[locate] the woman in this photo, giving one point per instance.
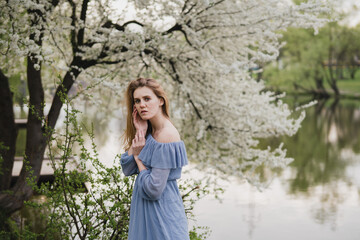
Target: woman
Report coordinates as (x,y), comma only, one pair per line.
(156,153)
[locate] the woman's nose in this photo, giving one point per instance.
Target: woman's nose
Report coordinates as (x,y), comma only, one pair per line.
(142,104)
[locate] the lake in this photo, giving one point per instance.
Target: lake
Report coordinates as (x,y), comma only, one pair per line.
(316,197)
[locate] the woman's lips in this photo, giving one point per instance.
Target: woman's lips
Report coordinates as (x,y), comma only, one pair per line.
(143,112)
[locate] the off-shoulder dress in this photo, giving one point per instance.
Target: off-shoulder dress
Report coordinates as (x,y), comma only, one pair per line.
(157,211)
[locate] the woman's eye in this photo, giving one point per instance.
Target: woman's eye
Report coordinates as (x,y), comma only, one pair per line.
(147,99)
(137,101)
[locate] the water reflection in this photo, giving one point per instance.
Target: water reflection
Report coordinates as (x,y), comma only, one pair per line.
(317,148)
(324,149)
(320,187)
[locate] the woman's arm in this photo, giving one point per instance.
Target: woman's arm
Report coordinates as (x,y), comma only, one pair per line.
(139,163)
(137,145)
(152,183)
(128,164)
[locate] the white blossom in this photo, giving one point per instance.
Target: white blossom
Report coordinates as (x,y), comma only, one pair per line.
(202,50)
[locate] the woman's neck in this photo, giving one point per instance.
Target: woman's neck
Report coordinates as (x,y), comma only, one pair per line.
(158,122)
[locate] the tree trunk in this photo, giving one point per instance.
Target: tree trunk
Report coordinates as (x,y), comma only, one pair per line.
(335,89)
(352,71)
(8,133)
(331,59)
(318,78)
(35,142)
(36,137)
(320,89)
(64,88)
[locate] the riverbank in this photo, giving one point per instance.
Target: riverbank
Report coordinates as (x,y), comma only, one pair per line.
(349,89)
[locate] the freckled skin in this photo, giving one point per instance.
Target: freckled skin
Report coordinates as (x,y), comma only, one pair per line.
(146,100)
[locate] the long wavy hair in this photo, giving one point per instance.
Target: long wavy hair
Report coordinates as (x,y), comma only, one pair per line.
(130,130)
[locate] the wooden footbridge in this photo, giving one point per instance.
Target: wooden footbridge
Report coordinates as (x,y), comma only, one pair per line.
(47,171)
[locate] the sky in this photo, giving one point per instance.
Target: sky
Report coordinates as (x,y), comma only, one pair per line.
(349,7)
(352,8)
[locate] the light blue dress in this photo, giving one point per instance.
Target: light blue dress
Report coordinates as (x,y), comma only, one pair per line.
(157,211)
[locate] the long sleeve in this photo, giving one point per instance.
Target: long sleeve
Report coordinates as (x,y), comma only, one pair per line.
(128,164)
(157,210)
(152,183)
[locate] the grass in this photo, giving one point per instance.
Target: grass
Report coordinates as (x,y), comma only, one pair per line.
(282,82)
(349,86)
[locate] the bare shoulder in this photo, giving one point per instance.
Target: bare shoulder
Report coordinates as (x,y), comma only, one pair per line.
(169,134)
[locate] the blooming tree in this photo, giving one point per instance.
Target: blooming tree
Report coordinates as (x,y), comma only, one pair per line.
(200,49)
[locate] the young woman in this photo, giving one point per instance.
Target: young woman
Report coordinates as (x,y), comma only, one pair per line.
(156,153)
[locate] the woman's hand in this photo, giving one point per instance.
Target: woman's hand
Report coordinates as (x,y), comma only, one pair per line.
(138,143)
(140,125)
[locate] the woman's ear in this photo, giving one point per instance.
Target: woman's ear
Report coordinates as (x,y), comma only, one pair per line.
(161,101)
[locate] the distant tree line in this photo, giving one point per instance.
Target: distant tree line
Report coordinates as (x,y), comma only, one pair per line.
(310,62)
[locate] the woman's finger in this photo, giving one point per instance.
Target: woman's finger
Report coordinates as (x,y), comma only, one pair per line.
(135,120)
(142,138)
(143,134)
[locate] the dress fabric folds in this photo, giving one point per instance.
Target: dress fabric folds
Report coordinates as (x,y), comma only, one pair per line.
(157,211)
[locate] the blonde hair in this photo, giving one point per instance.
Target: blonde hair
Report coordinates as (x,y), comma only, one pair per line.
(130,130)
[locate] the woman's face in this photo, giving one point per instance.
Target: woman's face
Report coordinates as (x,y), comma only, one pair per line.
(147,103)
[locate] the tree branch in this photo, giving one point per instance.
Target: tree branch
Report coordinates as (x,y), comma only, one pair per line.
(73,24)
(81,33)
(190,8)
(178,27)
(110,24)
(210,6)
